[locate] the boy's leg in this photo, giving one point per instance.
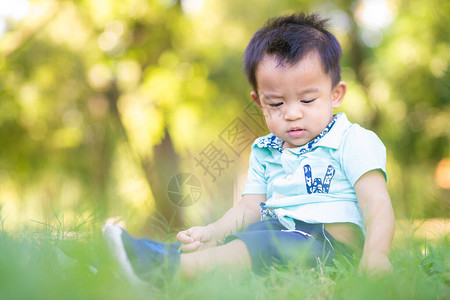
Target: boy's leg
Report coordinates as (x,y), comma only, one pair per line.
(269,243)
(140,259)
(261,245)
(233,255)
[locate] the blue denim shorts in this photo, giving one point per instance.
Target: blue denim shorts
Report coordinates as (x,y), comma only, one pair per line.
(270,243)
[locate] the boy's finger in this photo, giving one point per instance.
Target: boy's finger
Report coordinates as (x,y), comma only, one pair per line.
(198,234)
(191,247)
(184,238)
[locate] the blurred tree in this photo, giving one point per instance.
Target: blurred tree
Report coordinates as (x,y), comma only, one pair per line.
(411,65)
(103,102)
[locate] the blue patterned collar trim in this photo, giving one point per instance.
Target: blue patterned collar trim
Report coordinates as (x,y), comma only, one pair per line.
(271,141)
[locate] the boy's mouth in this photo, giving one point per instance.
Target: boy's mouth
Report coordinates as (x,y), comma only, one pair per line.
(296,132)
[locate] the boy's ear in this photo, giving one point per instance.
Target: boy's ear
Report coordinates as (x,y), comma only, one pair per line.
(255,98)
(338,93)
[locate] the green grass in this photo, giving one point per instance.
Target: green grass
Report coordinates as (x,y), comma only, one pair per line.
(50,264)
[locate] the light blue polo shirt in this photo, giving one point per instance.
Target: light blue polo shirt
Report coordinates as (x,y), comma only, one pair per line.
(315,183)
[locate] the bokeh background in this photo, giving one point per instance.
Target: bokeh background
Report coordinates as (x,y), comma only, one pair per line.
(103,103)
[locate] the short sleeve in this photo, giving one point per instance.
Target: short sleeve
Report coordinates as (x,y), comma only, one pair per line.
(256,180)
(362,151)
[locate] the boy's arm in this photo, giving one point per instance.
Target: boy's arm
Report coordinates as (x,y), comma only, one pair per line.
(238,217)
(376,208)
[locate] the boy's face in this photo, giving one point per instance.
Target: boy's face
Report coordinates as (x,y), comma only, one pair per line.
(298,100)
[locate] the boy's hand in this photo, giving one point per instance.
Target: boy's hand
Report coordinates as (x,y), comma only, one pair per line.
(196,238)
(244,213)
(375,264)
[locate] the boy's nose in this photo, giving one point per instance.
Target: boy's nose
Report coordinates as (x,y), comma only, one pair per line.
(293,112)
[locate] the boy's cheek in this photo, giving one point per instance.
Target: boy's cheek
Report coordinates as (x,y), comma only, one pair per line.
(271,114)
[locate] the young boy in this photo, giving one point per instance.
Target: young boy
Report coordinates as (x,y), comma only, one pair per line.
(316,184)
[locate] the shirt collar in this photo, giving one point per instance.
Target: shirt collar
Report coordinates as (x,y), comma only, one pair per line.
(270,141)
(333,140)
(337,127)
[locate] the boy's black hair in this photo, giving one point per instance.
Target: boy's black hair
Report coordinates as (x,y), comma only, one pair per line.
(290,38)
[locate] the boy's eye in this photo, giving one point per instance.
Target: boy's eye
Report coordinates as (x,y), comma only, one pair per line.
(276,104)
(307,101)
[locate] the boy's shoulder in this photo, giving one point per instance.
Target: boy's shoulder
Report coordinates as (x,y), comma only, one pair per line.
(344,132)
(360,143)
(358,134)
